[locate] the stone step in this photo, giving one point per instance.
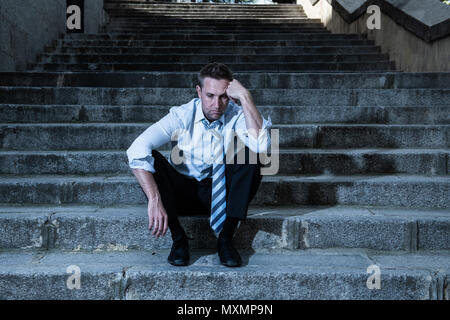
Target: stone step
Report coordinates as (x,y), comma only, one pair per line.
(179,96)
(113,28)
(136,30)
(189,67)
(289,80)
(241,24)
(245,25)
(164,4)
(21,113)
(219,12)
(244,50)
(205,43)
(201,58)
(206,36)
(291,161)
(205,14)
(122,228)
(213,20)
(156,28)
(183,8)
(270,16)
(93,136)
(133,31)
(199,9)
(268,275)
(408,191)
(187,15)
(158,4)
(203,6)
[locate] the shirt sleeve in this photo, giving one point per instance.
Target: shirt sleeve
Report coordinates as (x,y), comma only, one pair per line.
(262,143)
(140,152)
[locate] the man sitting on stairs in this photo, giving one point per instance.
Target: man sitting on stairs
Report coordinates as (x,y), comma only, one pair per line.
(205,181)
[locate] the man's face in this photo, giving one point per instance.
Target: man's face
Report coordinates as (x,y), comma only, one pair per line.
(214,97)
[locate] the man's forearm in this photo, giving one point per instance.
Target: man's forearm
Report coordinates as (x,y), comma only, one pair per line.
(148,183)
(253,118)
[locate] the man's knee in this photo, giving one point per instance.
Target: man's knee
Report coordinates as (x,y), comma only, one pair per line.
(245,163)
(243,182)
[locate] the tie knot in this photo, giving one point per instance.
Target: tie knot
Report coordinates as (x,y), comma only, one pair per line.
(212,125)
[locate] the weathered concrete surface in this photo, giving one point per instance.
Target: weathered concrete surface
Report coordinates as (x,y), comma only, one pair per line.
(264,275)
(427,20)
(411,191)
(124,228)
(326,136)
(251,80)
(403,46)
(27,26)
(179,96)
(291,161)
(26,113)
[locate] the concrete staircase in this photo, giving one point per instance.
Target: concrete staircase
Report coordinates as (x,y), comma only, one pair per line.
(363,178)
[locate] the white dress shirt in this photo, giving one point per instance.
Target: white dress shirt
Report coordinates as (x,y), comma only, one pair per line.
(186,128)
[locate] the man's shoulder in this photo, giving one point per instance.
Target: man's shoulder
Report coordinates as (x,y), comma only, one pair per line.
(184,107)
(184,111)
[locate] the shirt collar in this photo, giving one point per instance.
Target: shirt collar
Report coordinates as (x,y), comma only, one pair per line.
(199,116)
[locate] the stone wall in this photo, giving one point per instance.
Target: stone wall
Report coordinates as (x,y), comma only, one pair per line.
(415,44)
(26,26)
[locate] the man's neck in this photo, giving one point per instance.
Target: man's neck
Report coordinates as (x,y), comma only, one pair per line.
(210,121)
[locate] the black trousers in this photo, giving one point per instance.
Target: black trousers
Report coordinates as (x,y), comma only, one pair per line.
(182,195)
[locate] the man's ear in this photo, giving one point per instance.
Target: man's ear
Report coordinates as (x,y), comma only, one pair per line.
(199,91)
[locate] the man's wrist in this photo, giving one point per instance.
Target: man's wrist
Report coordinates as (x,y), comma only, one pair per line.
(246,98)
(153,197)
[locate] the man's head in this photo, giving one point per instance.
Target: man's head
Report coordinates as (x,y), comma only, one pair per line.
(213,81)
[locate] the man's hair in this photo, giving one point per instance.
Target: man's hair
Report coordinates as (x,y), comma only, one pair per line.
(215,70)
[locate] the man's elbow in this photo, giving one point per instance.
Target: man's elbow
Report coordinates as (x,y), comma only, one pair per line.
(260,145)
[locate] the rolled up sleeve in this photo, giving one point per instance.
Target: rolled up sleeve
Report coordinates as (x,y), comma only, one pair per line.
(140,152)
(260,144)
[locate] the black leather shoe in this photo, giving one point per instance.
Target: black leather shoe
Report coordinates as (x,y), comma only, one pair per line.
(228,255)
(179,255)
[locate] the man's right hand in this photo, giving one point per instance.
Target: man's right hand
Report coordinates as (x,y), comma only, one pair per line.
(157,217)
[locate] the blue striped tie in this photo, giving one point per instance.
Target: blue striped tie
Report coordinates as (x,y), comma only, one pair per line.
(218,186)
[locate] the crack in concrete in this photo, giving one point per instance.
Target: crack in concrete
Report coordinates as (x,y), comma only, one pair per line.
(437,289)
(49,230)
(302,235)
(36,259)
(413,236)
(121,285)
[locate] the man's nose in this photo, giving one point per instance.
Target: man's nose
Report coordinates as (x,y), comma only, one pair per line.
(217,104)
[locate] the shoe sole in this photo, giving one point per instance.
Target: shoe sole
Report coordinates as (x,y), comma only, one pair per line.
(230,265)
(178,264)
